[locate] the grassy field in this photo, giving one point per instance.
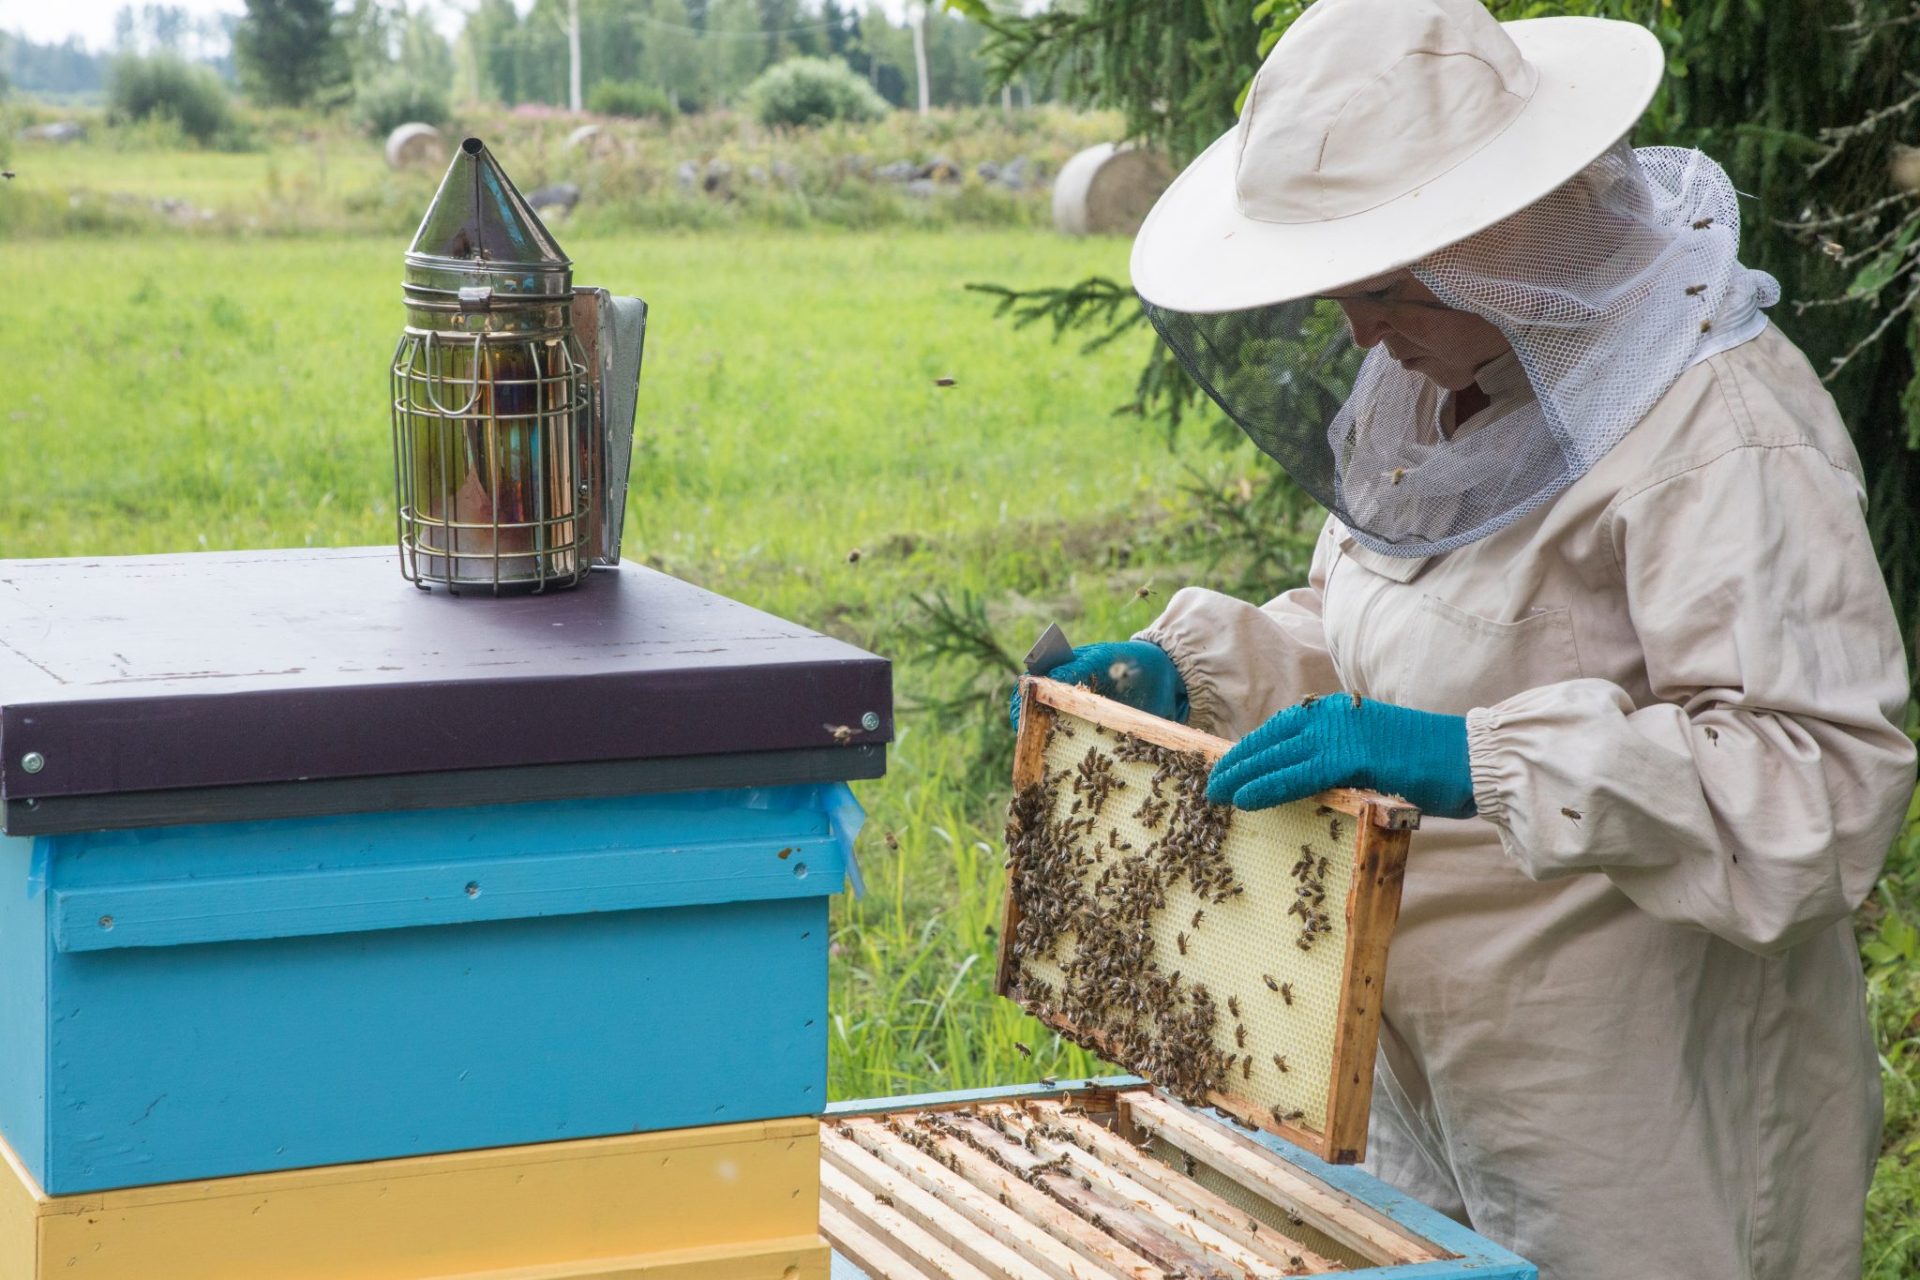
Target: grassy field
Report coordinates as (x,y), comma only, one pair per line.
(180,393)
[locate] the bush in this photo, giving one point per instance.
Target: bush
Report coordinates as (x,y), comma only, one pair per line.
(394,99)
(808,91)
(630,98)
(166,88)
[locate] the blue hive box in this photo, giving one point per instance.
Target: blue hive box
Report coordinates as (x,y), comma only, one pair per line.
(343,967)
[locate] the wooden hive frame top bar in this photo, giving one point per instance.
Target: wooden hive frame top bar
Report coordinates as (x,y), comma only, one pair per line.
(1266,948)
(1100,1184)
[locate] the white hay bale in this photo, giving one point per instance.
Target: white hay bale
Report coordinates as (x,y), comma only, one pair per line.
(1108,189)
(415,146)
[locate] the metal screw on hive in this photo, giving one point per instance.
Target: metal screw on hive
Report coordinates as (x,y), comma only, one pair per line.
(513,397)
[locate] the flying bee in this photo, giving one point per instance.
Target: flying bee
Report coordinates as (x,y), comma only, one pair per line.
(1280,1061)
(943,382)
(1142,591)
(1048,1081)
(842,733)
(1025,1050)
(893,841)
(1574,814)
(853,556)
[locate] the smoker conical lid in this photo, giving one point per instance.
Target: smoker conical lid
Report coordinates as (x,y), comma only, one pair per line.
(480,220)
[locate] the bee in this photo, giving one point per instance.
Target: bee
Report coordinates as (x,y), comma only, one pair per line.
(1048,1081)
(1574,814)
(1233,1005)
(883,1198)
(842,733)
(893,841)
(1295,1114)
(1706,326)
(1397,475)
(1832,248)
(1286,990)
(1239,1037)
(1025,1050)
(1246,1067)
(1188,1165)
(1181,940)
(1278,1115)
(1713,735)
(1203,911)
(1143,591)
(1280,1061)
(943,382)
(1271,984)
(1310,699)
(1356,700)
(853,556)
(1695,290)
(1703,224)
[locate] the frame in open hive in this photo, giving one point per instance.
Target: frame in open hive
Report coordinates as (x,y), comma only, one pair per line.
(1102,1184)
(1234,958)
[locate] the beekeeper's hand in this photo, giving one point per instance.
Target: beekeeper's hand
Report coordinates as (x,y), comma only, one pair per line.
(1130,671)
(1338,741)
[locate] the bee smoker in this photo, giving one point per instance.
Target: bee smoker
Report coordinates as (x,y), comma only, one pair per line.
(513,397)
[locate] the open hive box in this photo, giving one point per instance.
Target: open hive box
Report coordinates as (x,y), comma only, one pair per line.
(1107,1181)
(1234,958)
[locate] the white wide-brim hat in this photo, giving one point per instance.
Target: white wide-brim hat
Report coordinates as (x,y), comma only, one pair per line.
(1378,132)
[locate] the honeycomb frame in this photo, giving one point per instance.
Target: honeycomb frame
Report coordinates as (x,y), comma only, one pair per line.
(1288,998)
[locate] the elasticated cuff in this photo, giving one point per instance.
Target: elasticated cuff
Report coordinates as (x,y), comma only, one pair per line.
(1202,701)
(1483,755)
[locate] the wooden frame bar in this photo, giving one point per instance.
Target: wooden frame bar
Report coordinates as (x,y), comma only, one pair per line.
(1054,1177)
(1383,826)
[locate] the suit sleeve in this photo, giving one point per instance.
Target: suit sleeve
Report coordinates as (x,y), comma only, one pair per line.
(1241,662)
(1756,795)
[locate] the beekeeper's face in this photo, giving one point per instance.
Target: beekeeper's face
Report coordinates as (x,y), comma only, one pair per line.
(1424,334)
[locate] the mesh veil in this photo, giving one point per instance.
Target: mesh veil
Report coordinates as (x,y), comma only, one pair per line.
(1607,289)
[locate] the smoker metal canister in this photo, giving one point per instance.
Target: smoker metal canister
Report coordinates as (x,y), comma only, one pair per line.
(513,396)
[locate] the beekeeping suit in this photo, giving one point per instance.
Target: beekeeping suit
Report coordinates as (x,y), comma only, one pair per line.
(1624,1029)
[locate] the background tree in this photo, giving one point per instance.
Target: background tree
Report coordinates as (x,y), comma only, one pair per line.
(290,53)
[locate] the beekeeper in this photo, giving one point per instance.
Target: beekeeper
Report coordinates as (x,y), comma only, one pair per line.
(1597,564)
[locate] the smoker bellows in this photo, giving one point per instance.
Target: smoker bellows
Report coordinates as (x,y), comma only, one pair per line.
(513,396)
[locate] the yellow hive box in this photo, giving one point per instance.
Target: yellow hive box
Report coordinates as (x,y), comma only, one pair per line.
(725,1202)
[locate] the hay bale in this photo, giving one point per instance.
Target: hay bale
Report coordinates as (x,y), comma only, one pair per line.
(415,146)
(1108,189)
(597,142)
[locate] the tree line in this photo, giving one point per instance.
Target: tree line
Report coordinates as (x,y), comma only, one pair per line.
(695,53)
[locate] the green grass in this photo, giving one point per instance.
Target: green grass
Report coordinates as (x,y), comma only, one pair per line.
(183,393)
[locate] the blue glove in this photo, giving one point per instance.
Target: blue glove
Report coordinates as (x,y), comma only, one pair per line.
(1130,671)
(1337,742)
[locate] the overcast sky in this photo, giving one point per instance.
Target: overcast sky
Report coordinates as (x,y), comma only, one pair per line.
(92,20)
